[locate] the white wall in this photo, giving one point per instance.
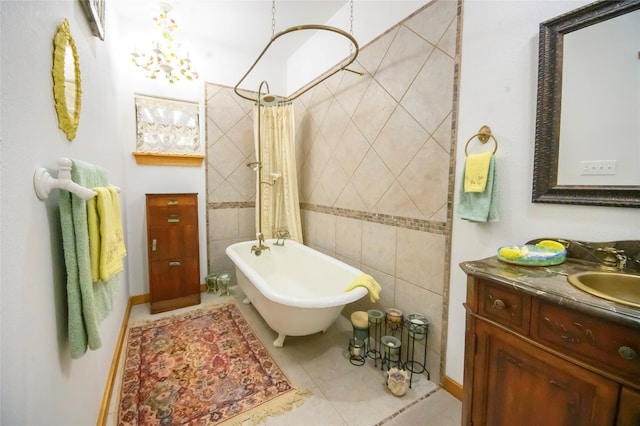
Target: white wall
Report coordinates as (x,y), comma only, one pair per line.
(498,88)
(40,383)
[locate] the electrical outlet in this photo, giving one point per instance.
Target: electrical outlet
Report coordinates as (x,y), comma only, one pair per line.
(600,167)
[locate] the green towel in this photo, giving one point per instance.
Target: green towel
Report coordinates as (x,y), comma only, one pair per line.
(88,303)
(480,206)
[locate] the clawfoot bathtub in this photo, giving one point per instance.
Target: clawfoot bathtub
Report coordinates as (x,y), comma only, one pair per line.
(297,290)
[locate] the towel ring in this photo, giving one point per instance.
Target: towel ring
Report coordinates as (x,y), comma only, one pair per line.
(484,134)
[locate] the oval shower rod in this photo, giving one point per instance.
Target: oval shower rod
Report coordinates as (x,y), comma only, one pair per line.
(336,69)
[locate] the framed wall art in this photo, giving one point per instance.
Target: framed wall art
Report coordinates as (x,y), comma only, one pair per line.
(94,9)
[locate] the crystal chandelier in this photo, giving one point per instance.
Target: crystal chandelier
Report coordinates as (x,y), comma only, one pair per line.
(165,56)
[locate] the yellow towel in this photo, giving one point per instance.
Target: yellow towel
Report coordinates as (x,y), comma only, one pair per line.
(111,247)
(94,238)
(476,172)
(368,282)
(117,220)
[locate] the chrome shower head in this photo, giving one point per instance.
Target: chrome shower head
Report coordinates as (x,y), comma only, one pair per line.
(269,99)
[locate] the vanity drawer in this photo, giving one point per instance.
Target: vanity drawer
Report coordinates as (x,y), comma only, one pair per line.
(606,345)
(171,200)
(504,305)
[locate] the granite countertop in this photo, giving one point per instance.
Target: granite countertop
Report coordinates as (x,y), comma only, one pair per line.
(550,283)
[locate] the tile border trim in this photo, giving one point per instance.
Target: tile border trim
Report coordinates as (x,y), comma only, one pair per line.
(423,225)
(430,226)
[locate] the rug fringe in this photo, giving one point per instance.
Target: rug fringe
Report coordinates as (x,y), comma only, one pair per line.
(275,407)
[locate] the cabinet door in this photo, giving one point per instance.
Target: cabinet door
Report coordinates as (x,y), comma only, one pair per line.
(172,240)
(525,385)
(629,411)
(174,278)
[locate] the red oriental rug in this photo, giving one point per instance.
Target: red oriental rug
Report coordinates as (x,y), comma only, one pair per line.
(205,367)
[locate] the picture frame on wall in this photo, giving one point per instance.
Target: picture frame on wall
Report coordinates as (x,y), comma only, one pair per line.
(94,9)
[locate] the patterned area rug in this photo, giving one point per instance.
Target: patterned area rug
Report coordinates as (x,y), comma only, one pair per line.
(205,367)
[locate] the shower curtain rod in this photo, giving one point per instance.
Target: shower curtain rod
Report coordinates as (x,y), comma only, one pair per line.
(336,69)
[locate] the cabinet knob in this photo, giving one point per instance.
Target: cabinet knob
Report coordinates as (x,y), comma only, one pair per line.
(627,353)
(172,202)
(174,218)
(498,304)
(174,263)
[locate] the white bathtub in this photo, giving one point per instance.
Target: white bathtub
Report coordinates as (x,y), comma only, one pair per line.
(297,290)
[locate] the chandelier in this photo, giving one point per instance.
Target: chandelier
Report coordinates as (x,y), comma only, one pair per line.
(165,57)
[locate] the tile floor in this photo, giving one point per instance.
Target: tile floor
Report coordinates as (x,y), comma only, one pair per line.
(342,394)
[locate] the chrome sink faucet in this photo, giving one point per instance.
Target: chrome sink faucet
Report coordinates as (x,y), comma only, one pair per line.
(258,249)
(614,259)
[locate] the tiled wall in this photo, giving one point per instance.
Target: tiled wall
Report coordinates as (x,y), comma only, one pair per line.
(374,160)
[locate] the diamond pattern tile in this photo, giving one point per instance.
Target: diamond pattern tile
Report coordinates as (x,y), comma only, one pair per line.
(430,97)
(224,110)
(225,157)
(373,111)
(426,178)
(371,55)
(351,150)
(432,23)
(372,179)
(400,140)
(403,61)
(241,134)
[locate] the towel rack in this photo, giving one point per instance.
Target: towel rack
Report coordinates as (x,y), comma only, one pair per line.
(484,134)
(43,182)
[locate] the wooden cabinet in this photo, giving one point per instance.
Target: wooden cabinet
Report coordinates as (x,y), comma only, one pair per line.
(629,411)
(173,251)
(529,361)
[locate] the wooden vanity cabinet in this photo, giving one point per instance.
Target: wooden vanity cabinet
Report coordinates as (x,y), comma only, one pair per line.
(530,362)
(629,409)
(173,251)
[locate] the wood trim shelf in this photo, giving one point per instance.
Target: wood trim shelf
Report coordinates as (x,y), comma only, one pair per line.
(165,159)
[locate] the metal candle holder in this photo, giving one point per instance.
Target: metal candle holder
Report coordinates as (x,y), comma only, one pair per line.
(375,323)
(357,351)
(391,352)
(417,327)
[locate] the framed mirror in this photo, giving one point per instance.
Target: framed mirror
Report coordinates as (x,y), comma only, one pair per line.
(66,81)
(587,142)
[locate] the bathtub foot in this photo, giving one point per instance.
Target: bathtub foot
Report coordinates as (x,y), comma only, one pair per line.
(246,301)
(279,342)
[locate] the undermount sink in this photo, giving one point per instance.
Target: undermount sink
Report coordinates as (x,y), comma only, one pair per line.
(614,286)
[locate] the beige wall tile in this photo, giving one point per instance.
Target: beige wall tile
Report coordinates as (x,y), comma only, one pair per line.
(223,224)
(379,247)
(247,224)
(414,299)
(403,60)
(326,232)
(372,179)
(429,99)
(400,140)
(421,259)
(349,238)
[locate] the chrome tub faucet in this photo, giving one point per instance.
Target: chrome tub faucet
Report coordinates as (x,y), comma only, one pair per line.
(258,249)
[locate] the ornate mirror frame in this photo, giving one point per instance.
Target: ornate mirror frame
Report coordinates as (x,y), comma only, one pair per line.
(547,140)
(68,119)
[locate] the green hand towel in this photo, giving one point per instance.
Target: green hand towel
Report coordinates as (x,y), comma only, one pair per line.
(88,303)
(480,206)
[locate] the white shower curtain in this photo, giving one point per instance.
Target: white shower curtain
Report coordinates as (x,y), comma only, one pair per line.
(280,206)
